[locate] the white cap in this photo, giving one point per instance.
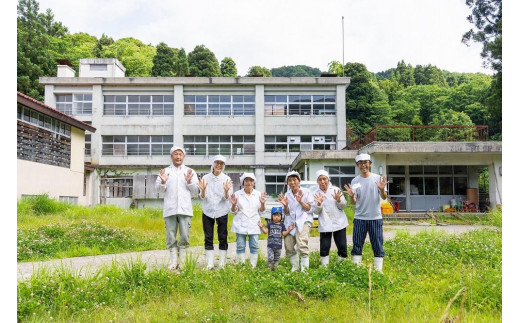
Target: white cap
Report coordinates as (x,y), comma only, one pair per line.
(247,175)
(174,148)
(292,173)
(218,157)
(363,157)
(322,172)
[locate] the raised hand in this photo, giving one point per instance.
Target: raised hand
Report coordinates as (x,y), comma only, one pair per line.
(164,176)
(233,199)
(283,199)
(382,183)
(318,198)
(349,190)
(188,175)
(298,196)
(337,195)
(227,186)
(202,185)
(263,197)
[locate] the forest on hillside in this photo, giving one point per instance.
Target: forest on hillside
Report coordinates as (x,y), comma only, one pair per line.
(404,95)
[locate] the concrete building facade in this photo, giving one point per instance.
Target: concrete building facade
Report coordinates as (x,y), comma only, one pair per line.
(259,124)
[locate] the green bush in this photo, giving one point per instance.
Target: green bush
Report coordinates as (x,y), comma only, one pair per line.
(40,205)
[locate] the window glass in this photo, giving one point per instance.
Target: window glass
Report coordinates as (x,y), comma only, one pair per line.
(416,186)
(396,185)
(397,170)
(415,170)
(430,170)
(431,186)
(446,185)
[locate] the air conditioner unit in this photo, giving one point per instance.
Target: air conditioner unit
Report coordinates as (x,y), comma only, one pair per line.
(318,139)
(293,139)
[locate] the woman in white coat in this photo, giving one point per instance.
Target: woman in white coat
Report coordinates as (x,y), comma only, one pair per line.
(246,205)
(332,221)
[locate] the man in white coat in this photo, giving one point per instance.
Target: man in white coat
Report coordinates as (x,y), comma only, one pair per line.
(179,184)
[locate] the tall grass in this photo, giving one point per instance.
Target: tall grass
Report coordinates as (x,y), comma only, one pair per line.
(423,273)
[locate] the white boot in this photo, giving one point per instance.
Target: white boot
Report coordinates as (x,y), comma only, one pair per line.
(174,263)
(253,259)
(357,260)
(340,259)
(305,263)
(325,261)
(295,262)
(222,258)
(378,264)
(210,254)
(182,257)
(241,258)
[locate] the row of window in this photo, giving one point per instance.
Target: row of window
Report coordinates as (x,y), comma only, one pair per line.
(136,145)
(199,105)
(209,145)
(428,180)
(299,143)
(138,105)
(219,105)
(300,105)
(43,121)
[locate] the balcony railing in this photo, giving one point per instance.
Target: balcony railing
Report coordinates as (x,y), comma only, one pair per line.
(421,134)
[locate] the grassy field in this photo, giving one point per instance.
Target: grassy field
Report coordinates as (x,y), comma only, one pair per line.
(424,274)
(48,229)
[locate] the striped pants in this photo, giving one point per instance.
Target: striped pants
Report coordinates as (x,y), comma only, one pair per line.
(374,228)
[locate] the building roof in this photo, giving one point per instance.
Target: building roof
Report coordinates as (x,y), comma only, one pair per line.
(51,112)
(206,81)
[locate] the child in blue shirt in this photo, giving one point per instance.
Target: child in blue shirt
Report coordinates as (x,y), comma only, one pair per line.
(276,231)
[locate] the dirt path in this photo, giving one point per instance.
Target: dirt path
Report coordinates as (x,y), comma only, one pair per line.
(90,264)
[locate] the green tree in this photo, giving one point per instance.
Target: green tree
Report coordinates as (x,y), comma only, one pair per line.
(33,56)
(391,88)
(164,61)
(103,41)
(135,56)
(429,75)
(366,104)
(404,74)
(296,71)
(486,15)
(335,67)
(431,100)
(228,67)
(259,70)
(203,62)
(73,47)
(181,66)
(53,28)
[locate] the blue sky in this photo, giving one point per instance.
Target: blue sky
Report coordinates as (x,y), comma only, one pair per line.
(273,33)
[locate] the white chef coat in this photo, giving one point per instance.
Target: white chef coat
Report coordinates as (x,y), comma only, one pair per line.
(245,220)
(297,213)
(215,204)
(178,194)
(331,217)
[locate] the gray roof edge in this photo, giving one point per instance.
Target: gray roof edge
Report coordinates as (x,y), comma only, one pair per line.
(433,147)
(320,81)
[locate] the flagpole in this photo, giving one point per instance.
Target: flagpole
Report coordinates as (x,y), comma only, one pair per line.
(343,38)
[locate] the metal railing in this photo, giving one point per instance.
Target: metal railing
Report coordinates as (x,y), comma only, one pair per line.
(432,133)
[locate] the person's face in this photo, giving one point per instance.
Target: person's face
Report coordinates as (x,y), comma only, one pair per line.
(277,217)
(323,183)
(249,184)
(364,166)
(218,166)
(177,158)
(294,183)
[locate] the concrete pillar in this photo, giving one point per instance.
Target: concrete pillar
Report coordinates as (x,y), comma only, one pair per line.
(178,115)
(341,118)
(259,138)
(495,183)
